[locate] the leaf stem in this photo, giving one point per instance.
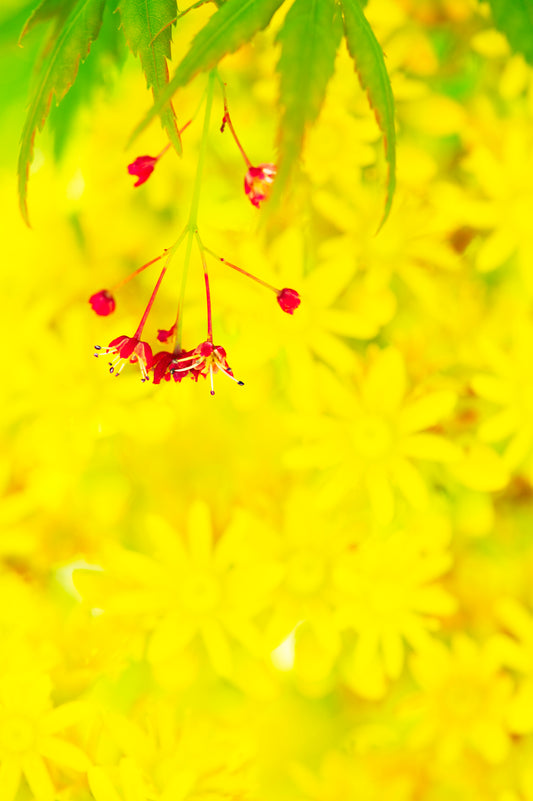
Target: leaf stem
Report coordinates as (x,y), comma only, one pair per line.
(195,203)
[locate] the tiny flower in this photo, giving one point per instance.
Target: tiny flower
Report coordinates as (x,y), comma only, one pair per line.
(257,182)
(143,167)
(102,303)
(288,299)
(129,349)
(164,334)
(169,365)
(209,359)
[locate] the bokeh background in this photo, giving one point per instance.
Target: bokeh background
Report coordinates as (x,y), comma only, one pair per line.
(317,586)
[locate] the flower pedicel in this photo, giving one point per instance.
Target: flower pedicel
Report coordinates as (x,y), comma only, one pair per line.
(258,180)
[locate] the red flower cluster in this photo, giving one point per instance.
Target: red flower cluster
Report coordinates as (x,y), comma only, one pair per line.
(206,359)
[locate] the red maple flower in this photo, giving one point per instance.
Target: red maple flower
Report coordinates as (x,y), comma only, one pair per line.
(102,303)
(169,365)
(288,299)
(128,349)
(208,360)
(142,167)
(258,181)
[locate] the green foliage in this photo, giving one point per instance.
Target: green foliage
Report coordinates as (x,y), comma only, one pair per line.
(370,66)
(515,19)
(231,26)
(148,31)
(108,54)
(309,40)
(77,25)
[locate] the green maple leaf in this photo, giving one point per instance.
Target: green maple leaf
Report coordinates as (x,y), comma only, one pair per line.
(370,66)
(515,19)
(231,26)
(77,24)
(147,25)
(309,39)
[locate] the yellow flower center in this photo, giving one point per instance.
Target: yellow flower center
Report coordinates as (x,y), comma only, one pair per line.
(305,572)
(200,592)
(462,701)
(372,437)
(17,734)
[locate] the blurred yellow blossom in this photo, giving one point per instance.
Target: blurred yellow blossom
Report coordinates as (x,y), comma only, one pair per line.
(376,435)
(318,586)
(463,702)
(29,741)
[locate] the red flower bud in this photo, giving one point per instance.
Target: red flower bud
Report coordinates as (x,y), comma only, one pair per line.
(257,183)
(143,167)
(288,299)
(102,303)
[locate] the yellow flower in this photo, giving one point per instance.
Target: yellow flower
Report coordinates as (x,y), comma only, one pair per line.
(502,167)
(464,701)
(508,384)
(515,650)
(388,595)
(29,741)
(197,587)
(375,437)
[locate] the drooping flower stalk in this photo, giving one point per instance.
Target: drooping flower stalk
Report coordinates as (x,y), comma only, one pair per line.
(226,120)
(258,180)
(288,299)
(207,289)
(195,202)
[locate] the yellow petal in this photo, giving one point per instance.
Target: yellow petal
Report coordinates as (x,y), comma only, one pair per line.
(393,653)
(131,780)
(381,495)
(499,426)
(217,647)
(101,785)
(495,250)
(65,715)
(432,447)
(199,533)
(426,411)
(385,384)
(519,448)
(491,388)
(38,778)
(409,481)
(171,635)
(481,469)
(9,780)
(65,753)
(521,710)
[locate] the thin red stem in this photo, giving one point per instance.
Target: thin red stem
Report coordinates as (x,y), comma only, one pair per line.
(137,334)
(227,120)
(243,272)
(137,271)
(167,146)
(207,290)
